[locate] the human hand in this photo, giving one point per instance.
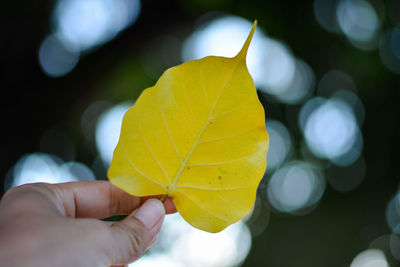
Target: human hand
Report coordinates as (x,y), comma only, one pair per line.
(57,225)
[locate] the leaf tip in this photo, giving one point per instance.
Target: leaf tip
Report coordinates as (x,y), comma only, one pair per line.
(243,52)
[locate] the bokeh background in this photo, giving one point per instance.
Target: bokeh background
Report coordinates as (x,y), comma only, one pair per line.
(326,71)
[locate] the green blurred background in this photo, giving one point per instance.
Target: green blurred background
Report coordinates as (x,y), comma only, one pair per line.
(327,73)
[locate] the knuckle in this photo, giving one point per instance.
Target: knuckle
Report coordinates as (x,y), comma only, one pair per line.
(114,205)
(136,243)
(10,192)
(24,193)
(14,191)
(137,246)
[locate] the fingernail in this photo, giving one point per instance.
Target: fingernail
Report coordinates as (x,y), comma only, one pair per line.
(150,212)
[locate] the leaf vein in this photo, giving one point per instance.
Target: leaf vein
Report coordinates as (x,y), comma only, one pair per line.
(188,99)
(199,135)
(219,163)
(223,89)
(181,113)
(166,127)
(151,152)
(207,211)
(210,189)
(232,109)
(226,202)
(140,172)
(227,137)
(204,91)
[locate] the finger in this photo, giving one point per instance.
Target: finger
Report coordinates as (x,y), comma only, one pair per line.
(101,199)
(169,206)
(90,199)
(133,235)
(95,199)
(168,203)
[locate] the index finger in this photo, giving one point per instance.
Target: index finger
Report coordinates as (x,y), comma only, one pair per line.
(100,199)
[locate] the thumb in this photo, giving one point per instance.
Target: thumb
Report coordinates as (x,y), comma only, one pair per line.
(134,235)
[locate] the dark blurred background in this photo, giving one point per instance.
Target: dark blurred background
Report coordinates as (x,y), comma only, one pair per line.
(327,73)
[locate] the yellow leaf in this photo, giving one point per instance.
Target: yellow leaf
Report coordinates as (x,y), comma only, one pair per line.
(199,137)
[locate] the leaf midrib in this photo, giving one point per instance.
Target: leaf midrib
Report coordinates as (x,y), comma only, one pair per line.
(183,165)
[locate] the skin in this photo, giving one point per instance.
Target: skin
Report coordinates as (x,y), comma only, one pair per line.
(58,224)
